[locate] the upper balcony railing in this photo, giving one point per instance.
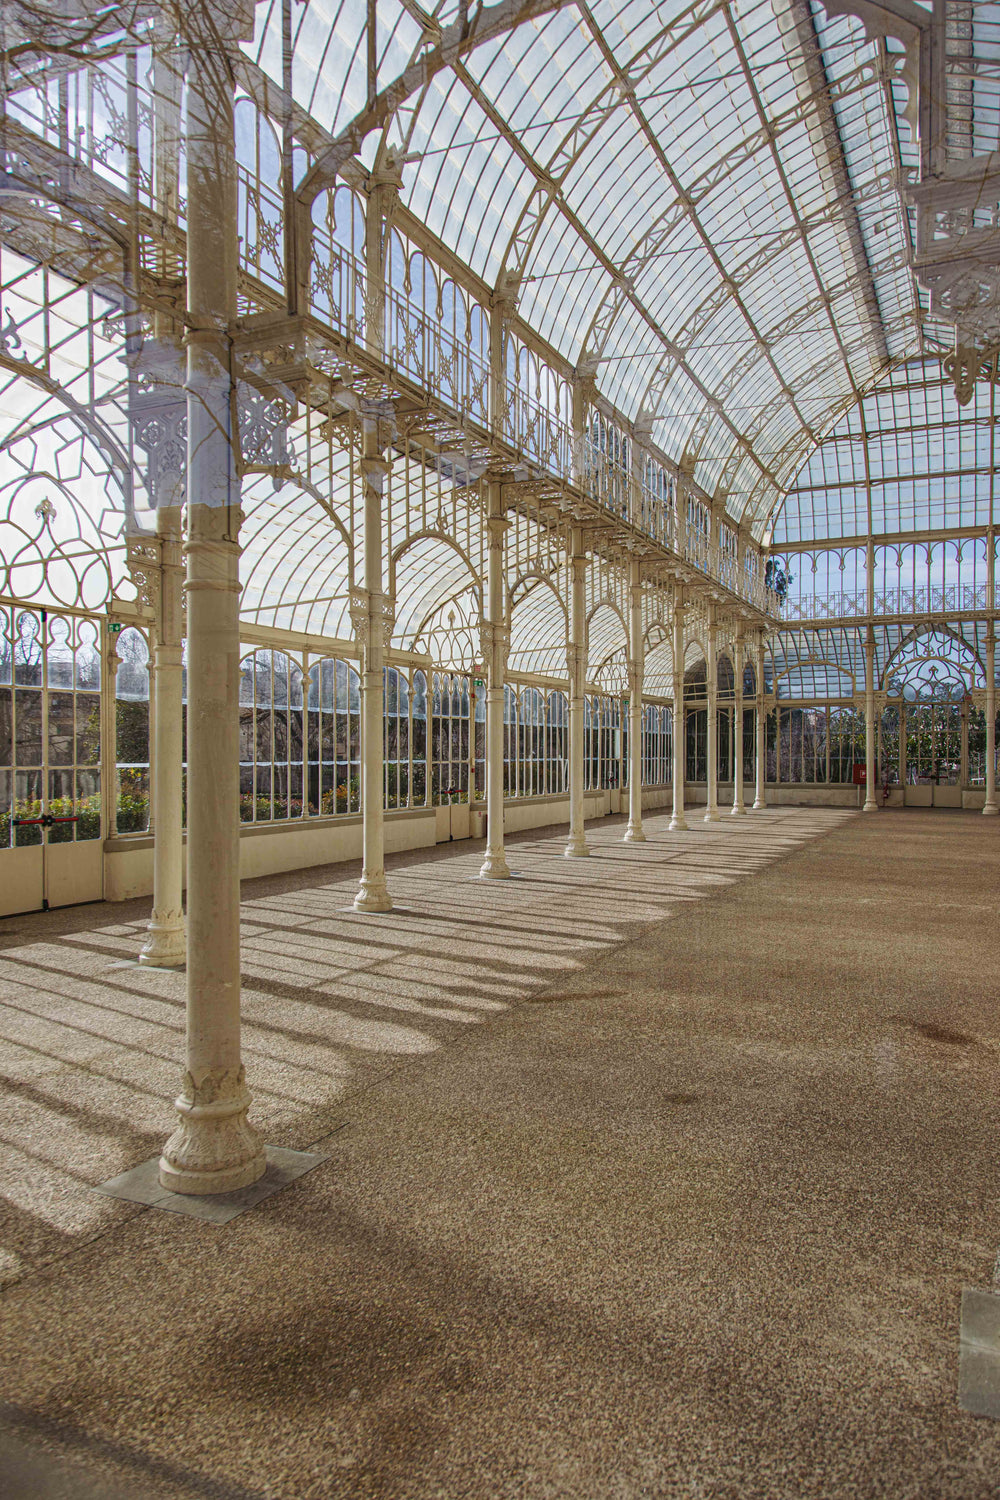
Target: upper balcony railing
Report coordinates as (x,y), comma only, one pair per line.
(953,598)
(413,342)
(449,360)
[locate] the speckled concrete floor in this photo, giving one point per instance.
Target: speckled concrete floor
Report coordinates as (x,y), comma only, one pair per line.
(657,1174)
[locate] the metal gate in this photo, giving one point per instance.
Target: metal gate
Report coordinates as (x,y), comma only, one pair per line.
(51,730)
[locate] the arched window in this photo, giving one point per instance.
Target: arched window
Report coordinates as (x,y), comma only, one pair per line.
(271,743)
(300,738)
(450,724)
(557,746)
(132,730)
(50,726)
(260,222)
(657,745)
(602,738)
(405,739)
(333,738)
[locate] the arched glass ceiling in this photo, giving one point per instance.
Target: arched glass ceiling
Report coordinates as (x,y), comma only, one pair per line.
(907,458)
(701,198)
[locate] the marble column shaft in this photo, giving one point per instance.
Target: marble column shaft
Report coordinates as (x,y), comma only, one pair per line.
(760,736)
(738,806)
(495,644)
(634,833)
(576,659)
(214,1147)
(679,726)
(372,623)
(990,805)
(871,762)
(712,736)
(165,945)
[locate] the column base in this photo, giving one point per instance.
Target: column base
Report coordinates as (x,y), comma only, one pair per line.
(678,824)
(712,816)
(990,810)
(494,866)
(373,894)
(737,810)
(759,806)
(214,1149)
(166,942)
(576,849)
(870,807)
(634,835)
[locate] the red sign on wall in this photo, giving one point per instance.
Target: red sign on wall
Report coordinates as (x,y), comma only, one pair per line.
(860,773)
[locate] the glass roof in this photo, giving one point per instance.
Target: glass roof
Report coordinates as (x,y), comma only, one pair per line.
(702,198)
(926,461)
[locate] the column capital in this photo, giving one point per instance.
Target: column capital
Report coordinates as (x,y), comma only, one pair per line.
(143,558)
(373,616)
(497,527)
(494,647)
(378,419)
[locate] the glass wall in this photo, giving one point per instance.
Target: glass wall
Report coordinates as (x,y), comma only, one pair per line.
(536,742)
(50,727)
(603,747)
(132,681)
(814,745)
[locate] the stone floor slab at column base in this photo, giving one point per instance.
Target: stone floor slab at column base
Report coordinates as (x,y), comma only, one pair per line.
(979,1353)
(142,1185)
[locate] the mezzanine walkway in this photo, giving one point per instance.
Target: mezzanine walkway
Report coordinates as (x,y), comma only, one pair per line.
(657,1173)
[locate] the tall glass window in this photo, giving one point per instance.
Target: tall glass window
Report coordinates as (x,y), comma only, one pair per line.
(132,731)
(450,725)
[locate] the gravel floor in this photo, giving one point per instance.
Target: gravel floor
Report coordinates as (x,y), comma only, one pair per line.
(654,1174)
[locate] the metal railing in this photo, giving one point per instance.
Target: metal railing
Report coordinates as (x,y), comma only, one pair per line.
(955,598)
(414,344)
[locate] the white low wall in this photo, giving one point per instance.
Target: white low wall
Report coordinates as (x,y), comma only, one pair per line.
(792,794)
(270,849)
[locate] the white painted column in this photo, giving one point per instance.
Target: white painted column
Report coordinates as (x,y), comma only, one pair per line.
(165,946)
(871,763)
(214,1147)
(576,659)
(371,613)
(679,727)
(634,833)
(495,643)
(738,806)
(712,736)
(990,805)
(760,799)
